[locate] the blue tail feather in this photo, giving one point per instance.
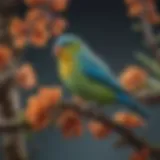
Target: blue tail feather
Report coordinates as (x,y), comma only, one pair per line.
(133,105)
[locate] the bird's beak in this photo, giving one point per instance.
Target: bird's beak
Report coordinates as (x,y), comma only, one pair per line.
(57,51)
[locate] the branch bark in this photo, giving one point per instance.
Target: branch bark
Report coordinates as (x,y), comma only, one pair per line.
(13,142)
(90,113)
(14,146)
(148,31)
(136,142)
(150,100)
(14,127)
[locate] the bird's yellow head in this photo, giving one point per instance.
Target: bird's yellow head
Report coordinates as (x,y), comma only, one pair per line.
(67,48)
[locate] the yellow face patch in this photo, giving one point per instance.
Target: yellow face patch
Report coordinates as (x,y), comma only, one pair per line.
(65,65)
(66,60)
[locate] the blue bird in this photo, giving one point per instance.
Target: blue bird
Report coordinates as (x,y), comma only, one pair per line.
(88,77)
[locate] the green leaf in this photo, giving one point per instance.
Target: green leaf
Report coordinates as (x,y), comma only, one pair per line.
(144,43)
(21,116)
(150,63)
(155,146)
(137,27)
(28,135)
(158,38)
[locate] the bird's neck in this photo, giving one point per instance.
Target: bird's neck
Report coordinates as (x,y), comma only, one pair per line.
(66,69)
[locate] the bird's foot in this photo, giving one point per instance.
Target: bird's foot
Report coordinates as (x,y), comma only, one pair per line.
(93,105)
(78,100)
(84,103)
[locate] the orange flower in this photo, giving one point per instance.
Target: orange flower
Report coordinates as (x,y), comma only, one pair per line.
(69,122)
(129,120)
(59,25)
(42,22)
(59,5)
(33,3)
(5,56)
(153,15)
(133,78)
(39,112)
(50,96)
(34,14)
(39,37)
(26,77)
(136,156)
(20,42)
(153,18)
(36,114)
(135,9)
(99,130)
(17,27)
(38,18)
(143,154)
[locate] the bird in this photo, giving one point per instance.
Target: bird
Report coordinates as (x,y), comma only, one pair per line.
(87,76)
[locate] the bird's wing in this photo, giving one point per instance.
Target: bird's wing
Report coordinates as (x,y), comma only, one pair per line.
(96,70)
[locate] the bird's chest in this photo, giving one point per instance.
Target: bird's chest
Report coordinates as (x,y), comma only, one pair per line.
(76,82)
(65,70)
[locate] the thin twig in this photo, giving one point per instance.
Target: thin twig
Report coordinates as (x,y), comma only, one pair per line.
(136,142)
(150,100)
(148,31)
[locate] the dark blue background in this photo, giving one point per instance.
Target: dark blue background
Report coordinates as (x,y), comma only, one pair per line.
(104,26)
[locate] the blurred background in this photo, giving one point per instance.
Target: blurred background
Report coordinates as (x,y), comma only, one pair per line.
(106,28)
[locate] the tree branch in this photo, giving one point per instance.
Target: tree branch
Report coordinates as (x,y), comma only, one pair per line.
(13,127)
(136,142)
(150,100)
(90,113)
